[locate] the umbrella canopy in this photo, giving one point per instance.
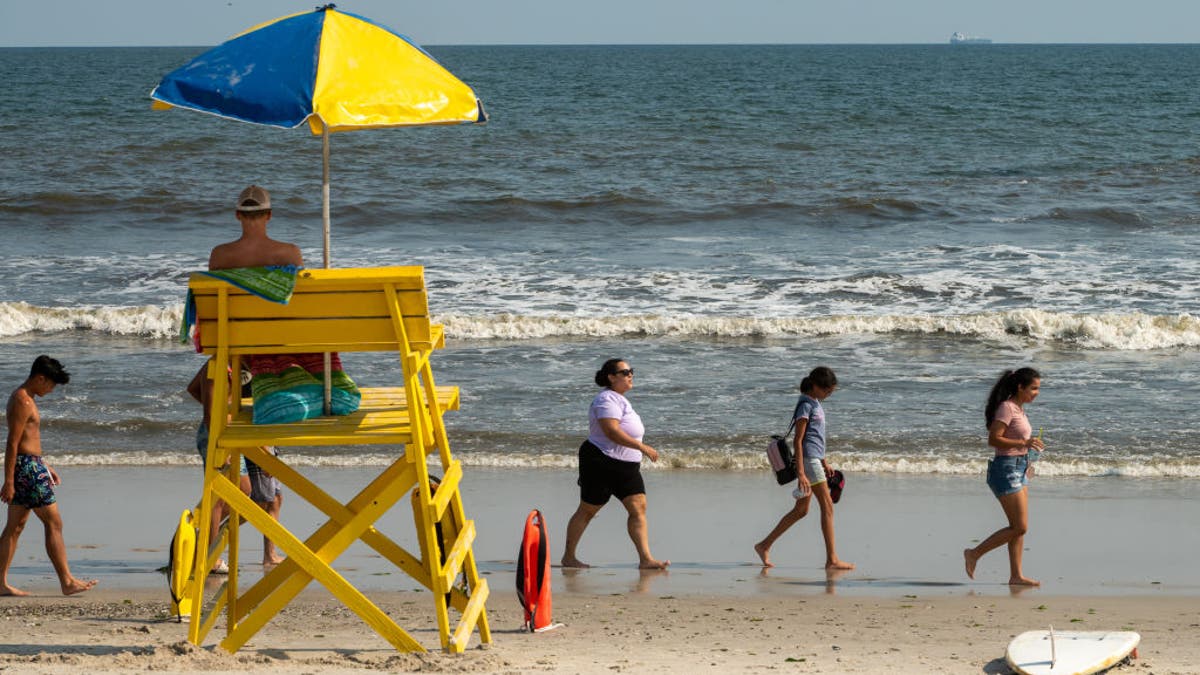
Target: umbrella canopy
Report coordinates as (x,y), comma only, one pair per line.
(334,70)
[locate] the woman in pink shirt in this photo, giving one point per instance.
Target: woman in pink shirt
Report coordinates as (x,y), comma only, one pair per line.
(1011,435)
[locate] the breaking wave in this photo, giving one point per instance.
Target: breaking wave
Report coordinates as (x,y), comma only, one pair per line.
(1119,332)
(956,464)
(1134,331)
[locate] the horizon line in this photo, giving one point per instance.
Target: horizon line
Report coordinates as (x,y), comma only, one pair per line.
(946,43)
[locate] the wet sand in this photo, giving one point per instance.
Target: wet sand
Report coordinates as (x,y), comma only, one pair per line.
(1113,554)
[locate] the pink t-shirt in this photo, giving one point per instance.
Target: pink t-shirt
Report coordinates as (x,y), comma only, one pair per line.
(1017,429)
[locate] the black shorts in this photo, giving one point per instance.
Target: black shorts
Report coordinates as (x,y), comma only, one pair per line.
(601,476)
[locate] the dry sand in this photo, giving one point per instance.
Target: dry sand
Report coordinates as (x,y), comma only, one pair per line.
(126,631)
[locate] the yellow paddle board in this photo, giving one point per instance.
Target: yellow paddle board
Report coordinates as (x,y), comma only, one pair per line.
(179,570)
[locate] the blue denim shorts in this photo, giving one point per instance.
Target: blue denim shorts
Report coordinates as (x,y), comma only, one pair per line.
(1006,475)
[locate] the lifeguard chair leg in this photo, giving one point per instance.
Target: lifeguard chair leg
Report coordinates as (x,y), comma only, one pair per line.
(339,515)
(315,565)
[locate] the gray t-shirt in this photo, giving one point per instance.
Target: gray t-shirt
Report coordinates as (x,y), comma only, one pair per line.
(813,442)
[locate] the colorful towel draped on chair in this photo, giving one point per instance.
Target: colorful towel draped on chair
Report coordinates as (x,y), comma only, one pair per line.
(290,387)
(286,387)
(272,282)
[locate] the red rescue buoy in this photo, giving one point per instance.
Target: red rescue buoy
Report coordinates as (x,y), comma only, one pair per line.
(533,573)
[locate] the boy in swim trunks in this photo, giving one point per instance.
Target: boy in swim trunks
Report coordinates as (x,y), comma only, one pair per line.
(29,482)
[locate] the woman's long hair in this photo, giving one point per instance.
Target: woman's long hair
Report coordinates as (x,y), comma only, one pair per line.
(1006,387)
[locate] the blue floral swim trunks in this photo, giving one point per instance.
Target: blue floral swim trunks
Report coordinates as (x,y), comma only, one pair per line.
(33,487)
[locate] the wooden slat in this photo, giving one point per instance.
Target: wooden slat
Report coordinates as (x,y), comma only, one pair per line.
(457,554)
(470,617)
(445,491)
(316,304)
(346,278)
(382,418)
(300,335)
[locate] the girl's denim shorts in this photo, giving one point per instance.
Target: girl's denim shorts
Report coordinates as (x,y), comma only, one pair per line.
(1007,474)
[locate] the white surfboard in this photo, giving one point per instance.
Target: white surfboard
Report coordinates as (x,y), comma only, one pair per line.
(1070,652)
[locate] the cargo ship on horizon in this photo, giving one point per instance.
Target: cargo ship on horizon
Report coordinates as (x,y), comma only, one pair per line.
(961,39)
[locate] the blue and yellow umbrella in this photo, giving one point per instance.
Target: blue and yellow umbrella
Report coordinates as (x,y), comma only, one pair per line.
(334,70)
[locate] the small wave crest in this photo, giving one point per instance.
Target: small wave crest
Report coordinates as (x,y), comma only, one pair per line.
(18,318)
(1134,331)
(1122,332)
(953,464)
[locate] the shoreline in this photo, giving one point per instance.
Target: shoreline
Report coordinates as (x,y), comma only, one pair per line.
(124,631)
(1087,537)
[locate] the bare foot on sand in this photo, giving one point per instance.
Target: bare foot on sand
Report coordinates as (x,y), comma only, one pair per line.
(9,590)
(1023,581)
(839,565)
(764,554)
(575,562)
(271,562)
(970,559)
(76,586)
(652,564)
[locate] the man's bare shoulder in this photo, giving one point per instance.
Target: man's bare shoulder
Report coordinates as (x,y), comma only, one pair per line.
(251,254)
(20,401)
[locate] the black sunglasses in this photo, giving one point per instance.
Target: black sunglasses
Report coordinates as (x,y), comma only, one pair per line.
(623,372)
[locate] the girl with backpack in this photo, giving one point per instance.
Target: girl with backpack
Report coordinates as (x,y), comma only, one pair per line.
(812,469)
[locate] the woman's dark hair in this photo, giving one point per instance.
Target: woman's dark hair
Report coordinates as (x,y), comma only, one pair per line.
(1006,387)
(820,376)
(51,369)
(609,368)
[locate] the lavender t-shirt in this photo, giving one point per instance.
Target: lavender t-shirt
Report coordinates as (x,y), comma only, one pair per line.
(608,404)
(1017,429)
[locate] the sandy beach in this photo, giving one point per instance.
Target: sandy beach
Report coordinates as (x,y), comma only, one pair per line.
(907,608)
(127,631)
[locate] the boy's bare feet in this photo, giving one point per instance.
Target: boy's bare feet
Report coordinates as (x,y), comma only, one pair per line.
(575,562)
(839,565)
(764,554)
(76,586)
(272,561)
(652,564)
(969,558)
(1023,581)
(9,590)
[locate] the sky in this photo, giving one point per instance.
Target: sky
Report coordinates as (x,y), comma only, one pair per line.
(33,23)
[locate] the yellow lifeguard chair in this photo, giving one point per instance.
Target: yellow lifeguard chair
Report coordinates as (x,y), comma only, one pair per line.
(335,310)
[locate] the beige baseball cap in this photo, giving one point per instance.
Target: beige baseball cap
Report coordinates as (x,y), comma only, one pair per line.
(254,198)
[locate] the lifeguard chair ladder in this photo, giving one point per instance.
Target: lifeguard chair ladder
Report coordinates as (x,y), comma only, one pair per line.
(335,310)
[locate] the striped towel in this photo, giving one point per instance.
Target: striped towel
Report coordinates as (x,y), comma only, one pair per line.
(272,282)
(291,387)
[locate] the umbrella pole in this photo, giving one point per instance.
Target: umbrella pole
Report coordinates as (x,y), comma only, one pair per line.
(325,220)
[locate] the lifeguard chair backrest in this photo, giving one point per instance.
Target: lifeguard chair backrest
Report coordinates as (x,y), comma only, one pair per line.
(342,310)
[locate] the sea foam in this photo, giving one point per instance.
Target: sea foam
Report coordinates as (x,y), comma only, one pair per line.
(956,464)
(1110,331)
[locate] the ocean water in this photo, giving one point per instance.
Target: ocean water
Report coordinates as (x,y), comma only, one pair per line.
(723,217)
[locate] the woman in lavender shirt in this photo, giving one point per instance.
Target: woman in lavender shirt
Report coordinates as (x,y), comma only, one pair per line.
(610,464)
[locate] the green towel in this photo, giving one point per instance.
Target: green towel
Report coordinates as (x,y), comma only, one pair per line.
(274,283)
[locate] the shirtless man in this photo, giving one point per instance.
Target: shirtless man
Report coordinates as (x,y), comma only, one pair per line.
(28,482)
(254,248)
